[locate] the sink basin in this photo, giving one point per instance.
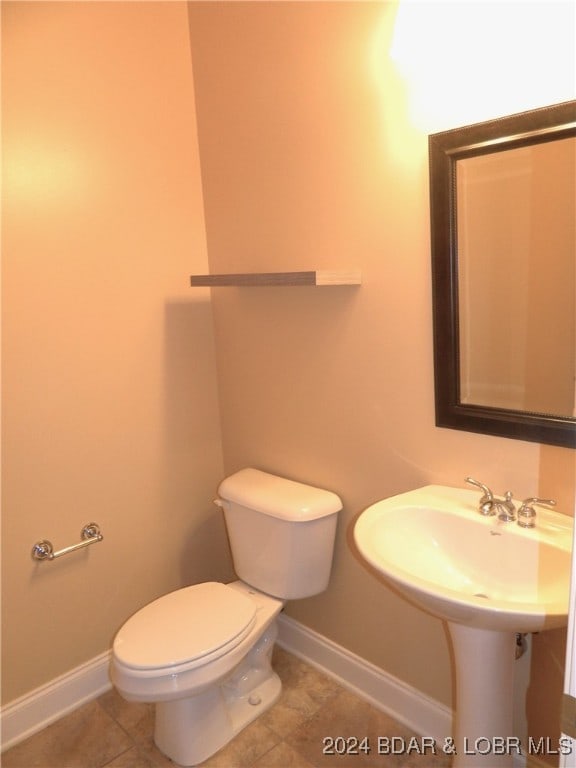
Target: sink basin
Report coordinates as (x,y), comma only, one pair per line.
(488,579)
(434,546)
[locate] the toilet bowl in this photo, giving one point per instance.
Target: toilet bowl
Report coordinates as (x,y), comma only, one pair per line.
(216,683)
(202,654)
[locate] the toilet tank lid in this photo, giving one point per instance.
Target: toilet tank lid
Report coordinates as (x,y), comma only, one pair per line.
(278,497)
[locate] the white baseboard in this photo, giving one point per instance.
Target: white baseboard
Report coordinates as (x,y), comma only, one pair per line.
(41,707)
(29,714)
(409,706)
(402,702)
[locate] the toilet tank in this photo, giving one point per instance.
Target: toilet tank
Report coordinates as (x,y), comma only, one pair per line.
(281,532)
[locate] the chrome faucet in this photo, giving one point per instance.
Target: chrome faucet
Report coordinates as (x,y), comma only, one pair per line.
(489,505)
(505,508)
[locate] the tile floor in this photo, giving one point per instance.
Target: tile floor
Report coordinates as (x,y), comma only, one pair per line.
(113,733)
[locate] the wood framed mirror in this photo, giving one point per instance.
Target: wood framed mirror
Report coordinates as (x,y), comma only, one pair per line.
(503,225)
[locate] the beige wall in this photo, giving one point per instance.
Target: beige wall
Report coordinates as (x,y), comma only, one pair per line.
(110,408)
(308,160)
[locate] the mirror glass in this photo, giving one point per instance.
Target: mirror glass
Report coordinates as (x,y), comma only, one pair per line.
(503,205)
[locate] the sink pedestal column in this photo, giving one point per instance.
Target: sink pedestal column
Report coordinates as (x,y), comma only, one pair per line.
(484,661)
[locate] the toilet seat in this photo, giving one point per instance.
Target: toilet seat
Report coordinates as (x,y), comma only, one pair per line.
(185,628)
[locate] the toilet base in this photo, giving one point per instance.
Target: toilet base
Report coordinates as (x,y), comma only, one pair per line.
(190,730)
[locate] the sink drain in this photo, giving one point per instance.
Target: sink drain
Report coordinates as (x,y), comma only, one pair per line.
(481,594)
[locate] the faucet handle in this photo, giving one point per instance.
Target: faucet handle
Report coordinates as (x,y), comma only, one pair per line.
(527,513)
(486,503)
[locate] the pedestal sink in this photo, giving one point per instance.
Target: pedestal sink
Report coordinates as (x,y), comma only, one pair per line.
(489,580)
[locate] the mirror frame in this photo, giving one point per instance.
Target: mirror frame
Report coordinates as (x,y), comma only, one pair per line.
(445,149)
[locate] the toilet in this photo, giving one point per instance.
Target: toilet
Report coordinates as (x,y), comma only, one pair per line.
(202,654)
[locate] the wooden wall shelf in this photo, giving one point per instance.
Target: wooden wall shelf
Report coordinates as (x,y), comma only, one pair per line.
(315,277)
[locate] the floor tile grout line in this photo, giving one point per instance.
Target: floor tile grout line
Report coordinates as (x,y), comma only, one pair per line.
(141,749)
(112,759)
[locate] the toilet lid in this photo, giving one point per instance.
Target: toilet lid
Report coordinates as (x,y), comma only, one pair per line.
(185,625)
